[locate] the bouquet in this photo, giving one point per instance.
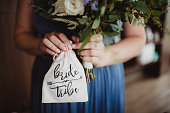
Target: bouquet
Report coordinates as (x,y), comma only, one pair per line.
(93,17)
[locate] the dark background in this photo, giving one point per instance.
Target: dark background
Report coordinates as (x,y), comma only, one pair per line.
(15,66)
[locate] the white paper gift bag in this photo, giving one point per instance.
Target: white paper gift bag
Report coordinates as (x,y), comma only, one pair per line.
(65,80)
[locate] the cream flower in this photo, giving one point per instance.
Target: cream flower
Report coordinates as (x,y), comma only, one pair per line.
(59,7)
(71,7)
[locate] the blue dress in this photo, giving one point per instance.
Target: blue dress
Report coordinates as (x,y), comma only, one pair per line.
(106,92)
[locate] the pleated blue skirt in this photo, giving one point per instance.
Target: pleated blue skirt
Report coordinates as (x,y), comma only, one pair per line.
(106,92)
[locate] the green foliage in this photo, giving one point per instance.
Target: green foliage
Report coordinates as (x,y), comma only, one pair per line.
(85,37)
(111,7)
(113,17)
(116,27)
(96,23)
(130,18)
(124,17)
(108,14)
(156,12)
(135,21)
(103,8)
(85,33)
(141,6)
(110,34)
(82,21)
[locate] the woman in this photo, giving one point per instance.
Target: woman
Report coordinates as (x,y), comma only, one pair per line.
(38,36)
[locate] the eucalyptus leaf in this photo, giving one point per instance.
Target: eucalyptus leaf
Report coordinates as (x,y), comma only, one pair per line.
(96,23)
(110,34)
(135,20)
(141,6)
(85,34)
(103,8)
(82,21)
(85,41)
(113,17)
(143,24)
(112,5)
(116,27)
(130,17)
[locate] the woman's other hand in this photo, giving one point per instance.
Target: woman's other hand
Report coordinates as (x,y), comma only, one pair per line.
(94,51)
(53,43)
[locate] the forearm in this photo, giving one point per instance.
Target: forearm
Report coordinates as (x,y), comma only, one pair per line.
(28,43)
(125,50)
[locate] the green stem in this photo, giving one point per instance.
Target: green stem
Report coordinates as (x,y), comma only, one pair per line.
(38,7)
(89,75)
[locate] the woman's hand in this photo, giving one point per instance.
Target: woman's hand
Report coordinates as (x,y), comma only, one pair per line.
(53,43)
(94,51)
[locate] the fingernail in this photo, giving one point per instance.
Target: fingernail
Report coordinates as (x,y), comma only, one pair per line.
(60,35)
(73,46)
(69,46)
(64,48)
(57,50)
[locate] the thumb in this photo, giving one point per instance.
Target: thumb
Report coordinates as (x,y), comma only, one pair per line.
(75,39)
(96,38)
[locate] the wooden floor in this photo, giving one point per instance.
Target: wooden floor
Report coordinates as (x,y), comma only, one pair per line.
(147,95)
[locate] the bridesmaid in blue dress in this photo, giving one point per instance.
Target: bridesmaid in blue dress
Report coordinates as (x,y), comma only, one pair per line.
(106,92)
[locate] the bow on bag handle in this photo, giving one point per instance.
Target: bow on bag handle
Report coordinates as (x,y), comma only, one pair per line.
(56,55)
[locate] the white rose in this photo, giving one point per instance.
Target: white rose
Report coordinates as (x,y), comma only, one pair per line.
(71,7)
(74,7)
